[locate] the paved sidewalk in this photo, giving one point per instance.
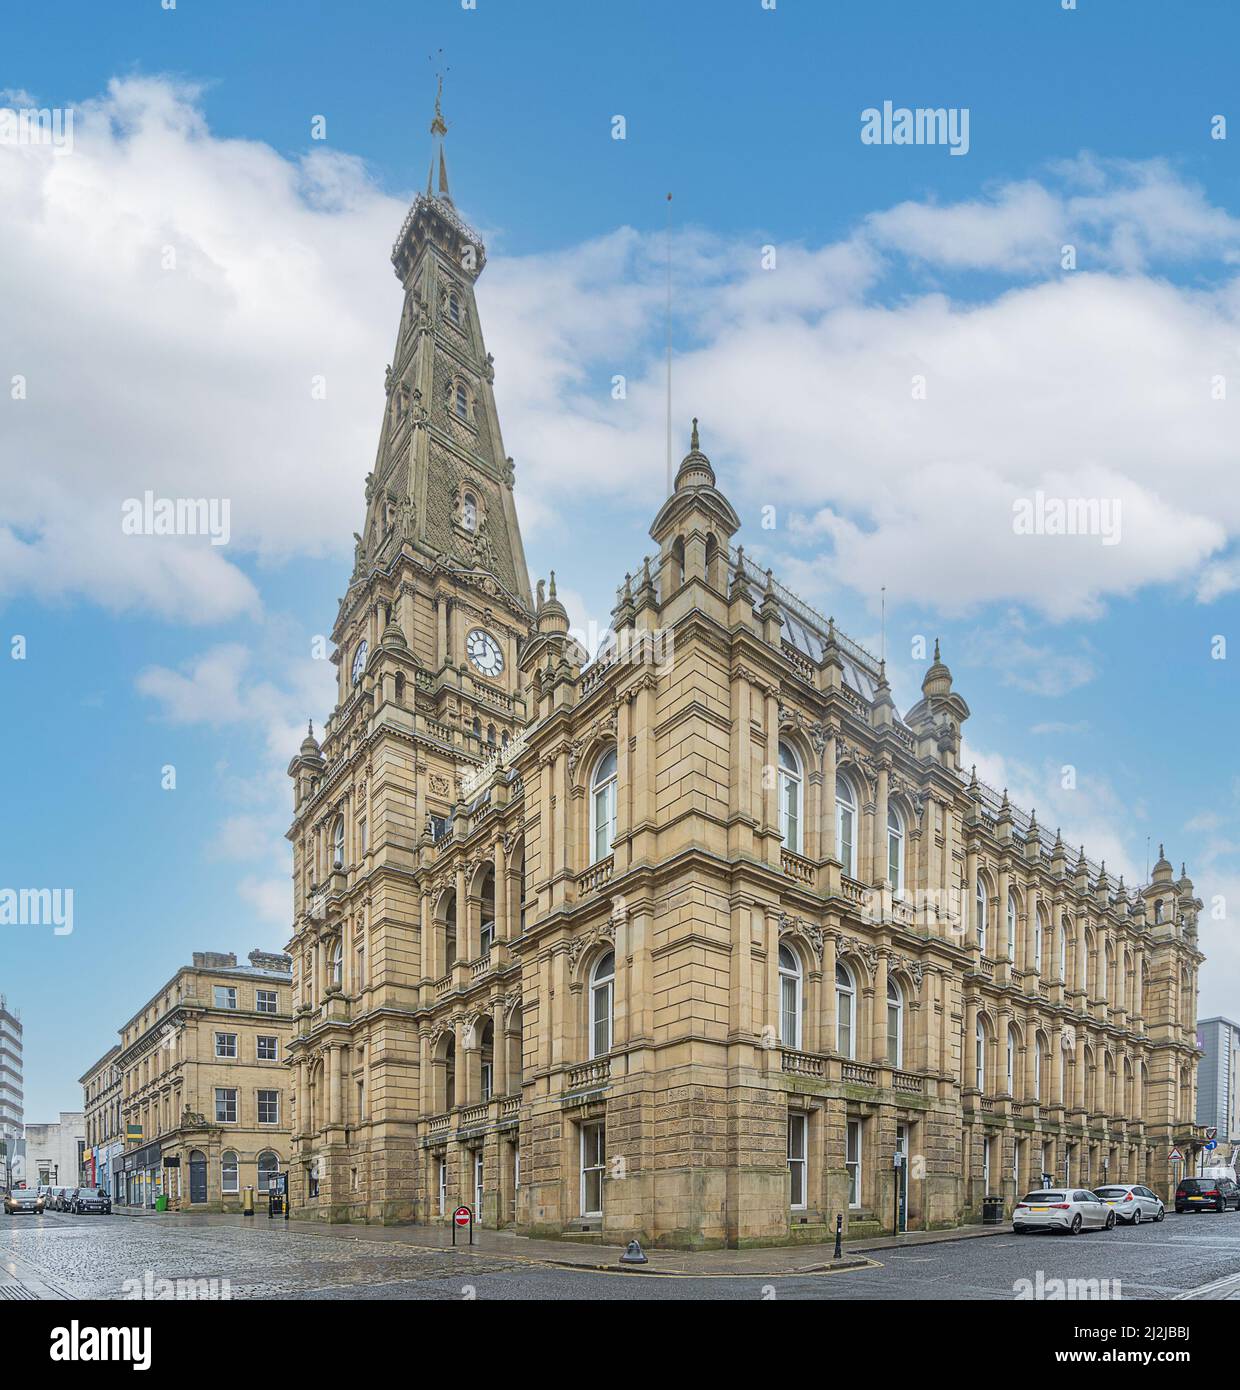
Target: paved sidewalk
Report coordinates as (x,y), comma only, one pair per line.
(773,1260)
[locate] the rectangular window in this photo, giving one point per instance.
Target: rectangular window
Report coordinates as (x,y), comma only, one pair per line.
(797,1149)
(487,1077)
(843,1024)
(441,1183)
(852,1161)
(268,1048)
(790,1021)
(893,1035)
(225,997)
(360,981)
(363,836)
(265,1001)
(478,1170)
(361,1101)
(485,938)
(226,1044)
(846,838)
(893,862)
(269,1107)
(229,1174)
(593,1148)
(225,1105)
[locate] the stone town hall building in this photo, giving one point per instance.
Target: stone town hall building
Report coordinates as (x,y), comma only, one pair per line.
(686,941)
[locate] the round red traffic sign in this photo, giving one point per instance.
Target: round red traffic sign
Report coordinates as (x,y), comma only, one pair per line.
(462,1216)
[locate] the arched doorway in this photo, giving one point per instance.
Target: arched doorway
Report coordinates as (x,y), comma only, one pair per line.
(197,1176)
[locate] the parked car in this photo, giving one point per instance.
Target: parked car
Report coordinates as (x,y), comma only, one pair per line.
(67,1194)
(1133,1203)
(23,1199)
(1207,1194)
(1054,1209)
(55,1199)
(92,1199)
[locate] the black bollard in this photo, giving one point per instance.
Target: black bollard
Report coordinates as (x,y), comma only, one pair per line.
(839,1235)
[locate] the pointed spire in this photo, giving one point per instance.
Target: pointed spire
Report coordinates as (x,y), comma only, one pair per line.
(936,649)
(694,443)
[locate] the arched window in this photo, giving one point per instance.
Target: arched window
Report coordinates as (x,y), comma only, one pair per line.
(846,826)
(981,909)
(1063,950)
(895,1025)
(1010,1073)
(1039,931)
(603,806)
(229,1172)
(268,1167)
(454,308)
(400,688)
(1011,926)
(338,842)
(460,404)
(1037,1067)
(790,1007)
(602,984)
(469,503)
(789,798)
(979,1078)
(336,965)
(845,1000)
(1158,910)
(895,852)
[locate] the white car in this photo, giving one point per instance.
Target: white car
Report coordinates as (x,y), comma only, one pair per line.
(1057,1209)
(1133,1203)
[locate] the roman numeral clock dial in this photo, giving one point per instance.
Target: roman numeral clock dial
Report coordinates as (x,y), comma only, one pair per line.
(484,653)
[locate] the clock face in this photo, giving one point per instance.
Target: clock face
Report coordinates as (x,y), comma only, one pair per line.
(483,650)
(359,661)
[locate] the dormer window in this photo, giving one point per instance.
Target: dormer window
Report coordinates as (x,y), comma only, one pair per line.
(469,512)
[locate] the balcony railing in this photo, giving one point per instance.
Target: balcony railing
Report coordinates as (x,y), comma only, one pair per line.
(593,1073)
(907,1083)
(595,876)
(474,1115)
(439,1124)
(795,866)
(480,967)
(860,1075)
(442,986)
(801,1063)
(509,1106)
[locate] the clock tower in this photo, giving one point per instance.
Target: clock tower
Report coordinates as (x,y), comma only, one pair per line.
(428,642)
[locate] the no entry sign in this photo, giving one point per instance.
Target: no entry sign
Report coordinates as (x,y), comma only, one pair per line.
(462,1216)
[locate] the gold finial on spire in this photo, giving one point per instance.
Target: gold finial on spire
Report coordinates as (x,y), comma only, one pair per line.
(439,126)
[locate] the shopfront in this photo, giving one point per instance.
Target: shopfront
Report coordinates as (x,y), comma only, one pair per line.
(142,1170)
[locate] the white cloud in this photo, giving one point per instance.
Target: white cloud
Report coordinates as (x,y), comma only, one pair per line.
(196,381)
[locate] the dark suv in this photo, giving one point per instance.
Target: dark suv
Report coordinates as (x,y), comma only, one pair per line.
(91,1199)
(1207,1194)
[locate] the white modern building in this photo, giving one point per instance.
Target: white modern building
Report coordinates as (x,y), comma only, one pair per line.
(54,1152)
(10,1093)
(1218,1080)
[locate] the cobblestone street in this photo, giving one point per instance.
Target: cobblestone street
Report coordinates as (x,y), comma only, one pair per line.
(77,1257)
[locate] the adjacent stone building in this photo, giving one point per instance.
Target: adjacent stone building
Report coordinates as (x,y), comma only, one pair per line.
(696,939)
(105,1133)
(204,1089)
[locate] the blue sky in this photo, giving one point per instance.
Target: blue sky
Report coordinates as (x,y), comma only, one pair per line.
(1089,127)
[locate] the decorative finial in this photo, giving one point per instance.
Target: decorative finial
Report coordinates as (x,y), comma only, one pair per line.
(936,649)
(693,438)
(310,728)
(439,126)
(1161,855)
(551,590)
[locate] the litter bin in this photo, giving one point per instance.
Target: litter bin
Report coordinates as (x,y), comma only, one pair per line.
(161,1202)
(992,1211)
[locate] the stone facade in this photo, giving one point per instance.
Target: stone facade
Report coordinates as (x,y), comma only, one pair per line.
(204,1083)
(105,1131)
(685,941)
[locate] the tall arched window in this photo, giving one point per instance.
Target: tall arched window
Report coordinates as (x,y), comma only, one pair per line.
(229,1172)
(789,798)
(454,307)
(336,964)
(1011,927)
(1010,1073)
(979,1071)
(602,985)
(1158,910)
(846,826)
(1063,950)
(460,404)
(895,852)
(268,1167)
(790,998)
(845,1000)
(980,913)
(1037,1067)
(338,842)
(1039,932)
(603,806)
(895,1025)
(469,503)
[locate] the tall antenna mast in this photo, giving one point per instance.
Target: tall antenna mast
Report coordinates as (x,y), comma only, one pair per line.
(669,344)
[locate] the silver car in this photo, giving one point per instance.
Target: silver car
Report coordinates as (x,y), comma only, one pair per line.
(1133,1203)
(1056,1209)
